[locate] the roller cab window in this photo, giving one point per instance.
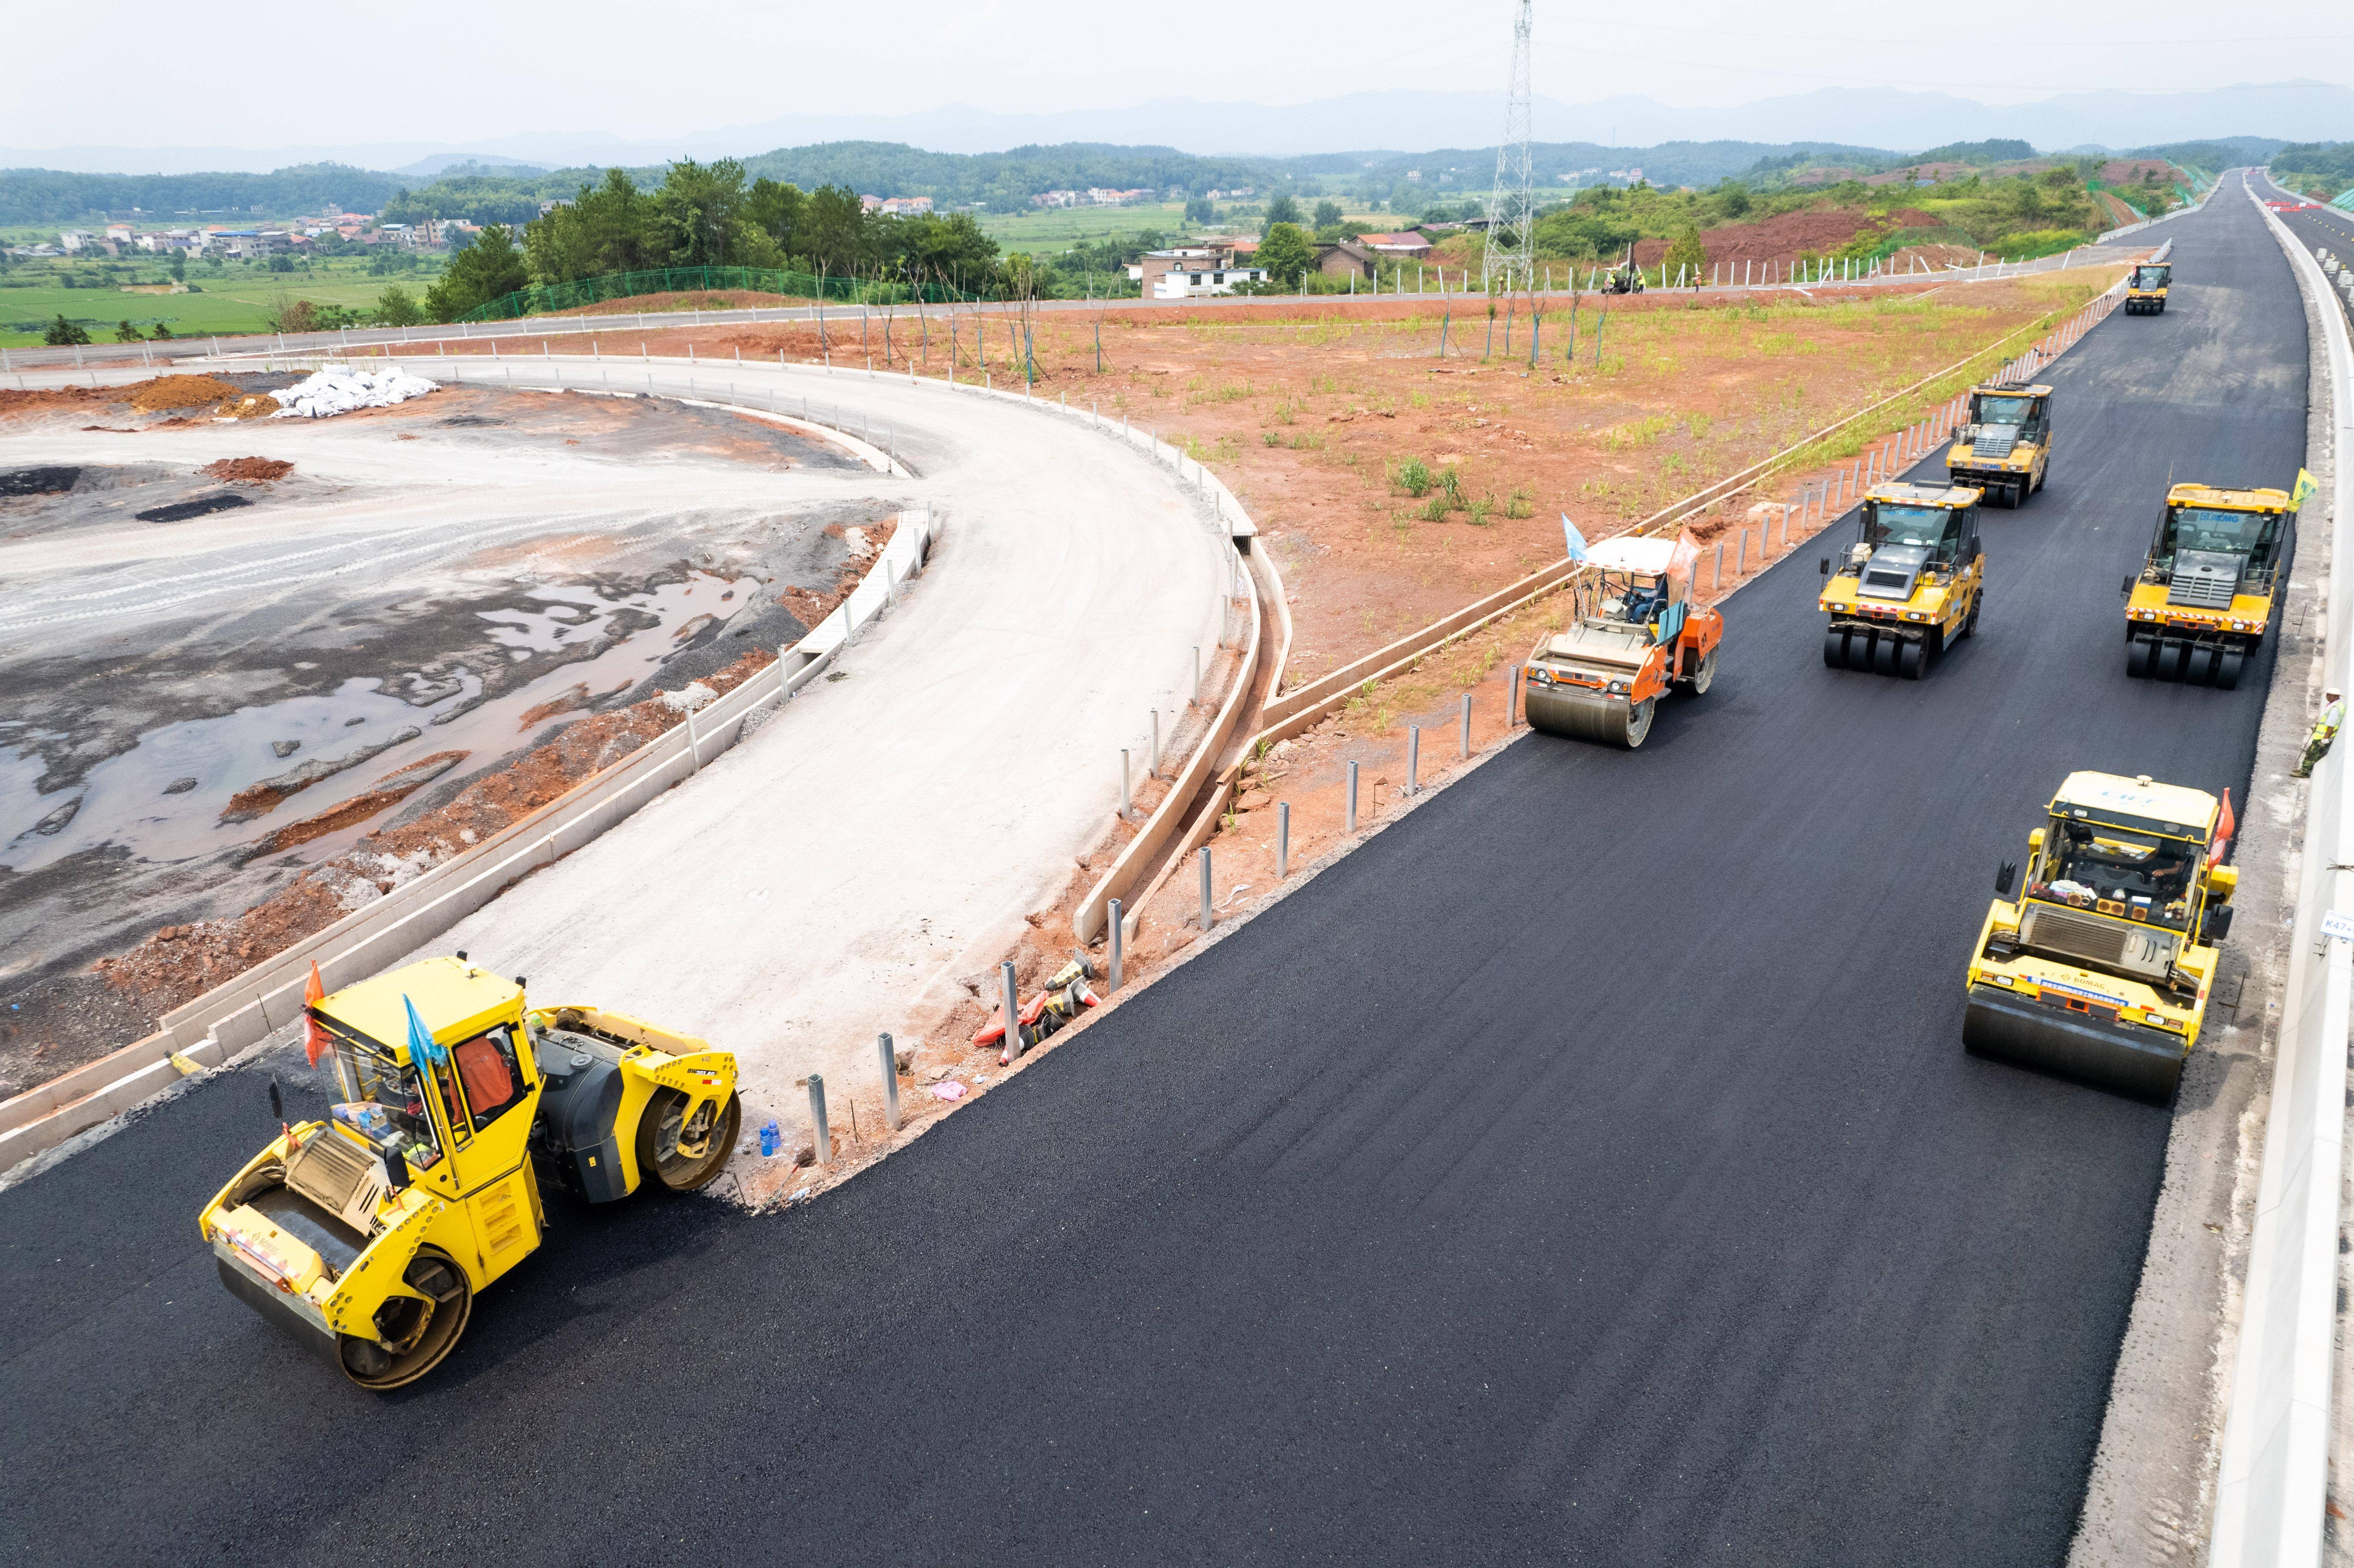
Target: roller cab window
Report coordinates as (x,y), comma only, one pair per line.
(2149,277)
(372,1077)
(485,1072)
(1944,531)
(2120,871)
(1993,409)
(2252,535)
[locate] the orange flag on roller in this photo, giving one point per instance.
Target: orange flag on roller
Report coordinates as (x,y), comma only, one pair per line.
(314,1033)
(2226,824)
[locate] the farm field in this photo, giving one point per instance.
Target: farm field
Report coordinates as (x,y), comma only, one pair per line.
(240,299)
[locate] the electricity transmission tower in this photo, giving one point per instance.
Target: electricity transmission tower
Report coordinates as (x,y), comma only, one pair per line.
(1512,210)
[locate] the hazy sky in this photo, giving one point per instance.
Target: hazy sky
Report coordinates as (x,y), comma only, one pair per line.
(149,74)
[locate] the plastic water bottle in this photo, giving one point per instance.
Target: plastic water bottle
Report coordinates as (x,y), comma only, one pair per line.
(771,1139)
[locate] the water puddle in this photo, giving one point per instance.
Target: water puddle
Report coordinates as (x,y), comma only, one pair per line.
(163,800)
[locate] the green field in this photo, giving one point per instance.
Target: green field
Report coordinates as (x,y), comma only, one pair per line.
(237,298)
(1057,230)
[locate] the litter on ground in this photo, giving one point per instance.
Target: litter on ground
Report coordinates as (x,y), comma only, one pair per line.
(325,392)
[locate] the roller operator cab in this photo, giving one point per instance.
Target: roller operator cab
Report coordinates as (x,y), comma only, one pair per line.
(367,1235)
(2101,968)
(1911,583)
(2005,447)
(2203,598)
(1635,633)
(2145,288)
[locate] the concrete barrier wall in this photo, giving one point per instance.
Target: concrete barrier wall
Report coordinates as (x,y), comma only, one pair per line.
(2273,1483)
(241,1013)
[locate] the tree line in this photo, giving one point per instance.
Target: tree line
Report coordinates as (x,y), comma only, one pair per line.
(51,196)
(713,215)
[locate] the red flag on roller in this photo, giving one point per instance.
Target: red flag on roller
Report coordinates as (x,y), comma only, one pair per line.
(315,1035)
(2226,824)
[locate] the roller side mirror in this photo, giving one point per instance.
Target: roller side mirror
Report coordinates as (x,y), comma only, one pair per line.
(2124,589)
(1826,566)
(2005,878)
(277,1104)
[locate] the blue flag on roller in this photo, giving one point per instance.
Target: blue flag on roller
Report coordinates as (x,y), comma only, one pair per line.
(422,1047)
(1575,540)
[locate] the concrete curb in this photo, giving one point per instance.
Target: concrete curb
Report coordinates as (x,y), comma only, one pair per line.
(2274,1485)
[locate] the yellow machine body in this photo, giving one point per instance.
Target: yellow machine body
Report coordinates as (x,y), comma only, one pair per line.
(2102,968)
(369,1234)
(2005,447)
(2203,598)
(2145,288)
(1909,585)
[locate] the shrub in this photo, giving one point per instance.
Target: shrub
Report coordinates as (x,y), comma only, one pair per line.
(63,333)
(1412,476)
(125,333)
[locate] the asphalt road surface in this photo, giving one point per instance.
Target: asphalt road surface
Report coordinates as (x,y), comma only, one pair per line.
(1587,1170)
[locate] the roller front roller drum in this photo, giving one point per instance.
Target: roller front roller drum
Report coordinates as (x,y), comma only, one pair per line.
(2125,1057)
(1578,715)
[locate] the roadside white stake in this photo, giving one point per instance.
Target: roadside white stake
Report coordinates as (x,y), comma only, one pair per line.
(1013,1012)
(1282,839)
(1208,915)
(823,1140)
(1111,982)
(890,1081)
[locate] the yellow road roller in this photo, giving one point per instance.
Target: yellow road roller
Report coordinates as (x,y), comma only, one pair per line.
(2145,288)
(2101,968)
(2005,446)
(1911,585)
(368,1234)
(2203,597)
(1635,634)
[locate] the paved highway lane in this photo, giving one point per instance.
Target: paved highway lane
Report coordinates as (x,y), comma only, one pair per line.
(1586,1169)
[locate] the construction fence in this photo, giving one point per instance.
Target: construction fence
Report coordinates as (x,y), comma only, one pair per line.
(541,299)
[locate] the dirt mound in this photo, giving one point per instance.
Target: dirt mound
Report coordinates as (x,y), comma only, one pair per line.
(250,406)
(181,962)
(14,399)
(1783,239)
(169,392)
(251,470)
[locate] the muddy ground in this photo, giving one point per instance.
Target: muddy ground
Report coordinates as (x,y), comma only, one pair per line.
(214,685)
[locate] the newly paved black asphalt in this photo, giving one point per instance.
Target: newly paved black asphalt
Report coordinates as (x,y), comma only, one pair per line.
(1586,1170)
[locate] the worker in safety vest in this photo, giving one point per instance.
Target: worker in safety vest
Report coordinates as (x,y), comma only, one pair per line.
(2333,713)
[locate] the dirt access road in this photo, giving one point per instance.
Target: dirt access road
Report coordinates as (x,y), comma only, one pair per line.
(846,869)
(835,875)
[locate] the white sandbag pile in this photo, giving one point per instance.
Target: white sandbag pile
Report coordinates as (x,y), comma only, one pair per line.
(326,393)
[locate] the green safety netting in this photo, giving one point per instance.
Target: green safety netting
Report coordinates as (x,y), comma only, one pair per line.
(542,298)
